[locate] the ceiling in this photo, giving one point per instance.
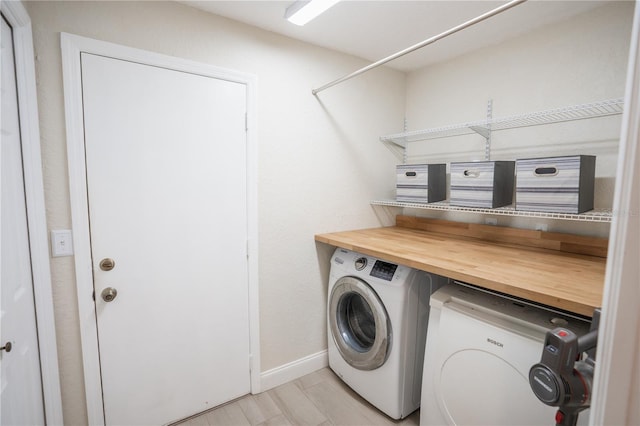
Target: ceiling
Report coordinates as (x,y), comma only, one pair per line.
(373,30)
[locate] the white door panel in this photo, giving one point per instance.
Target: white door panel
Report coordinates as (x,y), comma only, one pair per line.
(166,178)
(21,401)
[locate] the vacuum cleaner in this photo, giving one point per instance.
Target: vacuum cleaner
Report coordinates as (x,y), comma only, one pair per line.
(563,378)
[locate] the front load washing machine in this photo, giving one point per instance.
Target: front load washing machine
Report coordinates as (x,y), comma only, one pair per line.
(377,319)
(480,347)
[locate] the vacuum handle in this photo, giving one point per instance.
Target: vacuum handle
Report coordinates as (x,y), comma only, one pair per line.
(569,418)
(588,341)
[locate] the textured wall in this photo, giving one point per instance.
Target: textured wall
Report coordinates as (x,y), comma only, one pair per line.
(320,161)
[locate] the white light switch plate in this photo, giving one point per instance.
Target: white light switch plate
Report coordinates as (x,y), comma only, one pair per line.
(61,243)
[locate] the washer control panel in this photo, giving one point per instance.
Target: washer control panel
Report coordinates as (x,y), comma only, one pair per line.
(383,270)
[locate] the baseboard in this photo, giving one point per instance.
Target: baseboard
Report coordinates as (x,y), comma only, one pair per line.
(291,371)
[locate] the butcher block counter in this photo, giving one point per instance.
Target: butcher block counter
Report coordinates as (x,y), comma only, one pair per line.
(560,270)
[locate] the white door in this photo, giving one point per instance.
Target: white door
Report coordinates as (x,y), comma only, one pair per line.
(21,400)
(167,195)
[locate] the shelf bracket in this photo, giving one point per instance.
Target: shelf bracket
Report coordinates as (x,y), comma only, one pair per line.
(487,144)
(404,151)
(485,130)
(398,148)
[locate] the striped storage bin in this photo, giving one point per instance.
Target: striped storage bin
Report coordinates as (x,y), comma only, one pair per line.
(421,183)
(483,184)
(556,184)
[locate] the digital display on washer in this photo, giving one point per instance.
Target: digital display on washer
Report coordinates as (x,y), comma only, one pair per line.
(383,270)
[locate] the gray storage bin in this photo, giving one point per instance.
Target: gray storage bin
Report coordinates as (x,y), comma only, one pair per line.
(556,184)
(421,183)
(483,184)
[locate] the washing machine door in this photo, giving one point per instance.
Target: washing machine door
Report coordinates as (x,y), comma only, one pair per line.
(359,324)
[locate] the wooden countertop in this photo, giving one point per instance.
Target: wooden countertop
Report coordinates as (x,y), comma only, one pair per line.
(560,270)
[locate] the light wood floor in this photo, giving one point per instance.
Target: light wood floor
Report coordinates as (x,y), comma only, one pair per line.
(319,398)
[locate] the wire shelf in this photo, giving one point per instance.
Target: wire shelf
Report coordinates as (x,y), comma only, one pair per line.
(484,127)
(590,216)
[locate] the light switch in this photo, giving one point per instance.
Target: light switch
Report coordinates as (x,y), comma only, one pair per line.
(61,243)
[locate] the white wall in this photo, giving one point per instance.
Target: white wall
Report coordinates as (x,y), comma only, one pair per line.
(578,61)
(320,161)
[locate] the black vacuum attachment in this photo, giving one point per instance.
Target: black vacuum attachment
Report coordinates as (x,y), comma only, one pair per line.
(563,378)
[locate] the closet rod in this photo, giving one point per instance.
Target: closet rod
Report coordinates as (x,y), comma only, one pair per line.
(421,44)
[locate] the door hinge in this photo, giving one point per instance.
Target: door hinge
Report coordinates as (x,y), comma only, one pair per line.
(246,121)
(93,295)
(247,248)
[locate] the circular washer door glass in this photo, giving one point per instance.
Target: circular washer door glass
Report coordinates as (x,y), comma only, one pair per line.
(356,321)
(359,324)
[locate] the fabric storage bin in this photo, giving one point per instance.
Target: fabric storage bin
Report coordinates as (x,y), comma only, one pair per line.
(556,184)
(484,184)
(421,183)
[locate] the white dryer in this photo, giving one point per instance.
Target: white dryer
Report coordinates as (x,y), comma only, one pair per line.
(377,320)
(480,347)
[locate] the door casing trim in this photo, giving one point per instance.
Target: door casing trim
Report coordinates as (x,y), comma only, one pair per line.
(615,386)
(19,19)
(72,46)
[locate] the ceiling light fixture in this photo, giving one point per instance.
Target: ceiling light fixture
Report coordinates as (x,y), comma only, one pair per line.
(303,11)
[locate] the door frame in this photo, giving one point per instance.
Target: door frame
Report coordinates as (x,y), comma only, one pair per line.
(72,46)
(615,386)
(19,19)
